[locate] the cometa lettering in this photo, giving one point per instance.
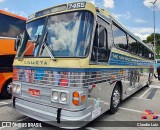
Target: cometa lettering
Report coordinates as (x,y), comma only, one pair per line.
(35,62)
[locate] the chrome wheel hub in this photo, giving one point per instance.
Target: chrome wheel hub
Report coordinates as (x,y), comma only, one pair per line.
(116,98)
(9,88)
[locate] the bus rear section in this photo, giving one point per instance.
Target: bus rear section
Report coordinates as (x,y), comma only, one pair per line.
(11,26)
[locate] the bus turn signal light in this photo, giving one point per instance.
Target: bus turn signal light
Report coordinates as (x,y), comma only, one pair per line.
(112,77)
(75,102)
(75,98)
(83,98)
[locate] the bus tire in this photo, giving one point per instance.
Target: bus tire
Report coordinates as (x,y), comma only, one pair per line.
(6,90)
(115,99)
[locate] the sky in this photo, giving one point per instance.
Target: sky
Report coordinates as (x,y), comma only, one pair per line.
(136,15)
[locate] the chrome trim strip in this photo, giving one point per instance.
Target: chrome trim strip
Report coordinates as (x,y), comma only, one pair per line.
(104,18)
(7,38)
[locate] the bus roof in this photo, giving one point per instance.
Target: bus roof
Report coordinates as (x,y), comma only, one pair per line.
(12,15)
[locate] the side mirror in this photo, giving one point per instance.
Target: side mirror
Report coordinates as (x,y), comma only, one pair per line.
(17,43)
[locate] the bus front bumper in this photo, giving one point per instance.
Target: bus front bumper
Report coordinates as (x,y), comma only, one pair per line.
(67,119)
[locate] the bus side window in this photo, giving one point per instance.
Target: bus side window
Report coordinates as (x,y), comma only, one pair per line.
(146,52)
(150,55)
(132,47)
(140,50)
(100,45)
(120,38)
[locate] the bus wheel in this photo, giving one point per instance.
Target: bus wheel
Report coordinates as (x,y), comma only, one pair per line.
(7,89)
(115,99)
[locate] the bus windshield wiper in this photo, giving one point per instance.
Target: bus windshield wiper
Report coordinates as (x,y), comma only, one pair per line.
(35,42)
(37,39)
(48,49)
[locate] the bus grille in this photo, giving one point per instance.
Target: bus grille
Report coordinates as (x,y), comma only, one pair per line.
(67,79)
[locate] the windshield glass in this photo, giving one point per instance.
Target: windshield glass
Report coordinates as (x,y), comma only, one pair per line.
(68,35)
(33,29)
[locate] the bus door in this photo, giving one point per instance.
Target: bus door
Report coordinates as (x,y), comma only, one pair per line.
(100,56)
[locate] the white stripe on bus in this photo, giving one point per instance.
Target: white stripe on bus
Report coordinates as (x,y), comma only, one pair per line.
(7,38)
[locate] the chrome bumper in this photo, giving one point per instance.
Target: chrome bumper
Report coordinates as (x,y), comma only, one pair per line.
(67,119)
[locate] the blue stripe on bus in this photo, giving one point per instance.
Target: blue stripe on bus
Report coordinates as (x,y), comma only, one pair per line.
(74,69)
(119,59)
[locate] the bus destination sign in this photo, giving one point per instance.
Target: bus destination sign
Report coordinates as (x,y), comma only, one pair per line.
(76,5)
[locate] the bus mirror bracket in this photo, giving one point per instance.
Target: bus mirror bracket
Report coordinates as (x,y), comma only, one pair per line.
(17,43)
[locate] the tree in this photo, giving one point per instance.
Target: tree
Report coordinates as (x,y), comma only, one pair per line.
(145,41)
(150,39)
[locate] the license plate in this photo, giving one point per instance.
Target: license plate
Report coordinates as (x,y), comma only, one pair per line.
(34,92)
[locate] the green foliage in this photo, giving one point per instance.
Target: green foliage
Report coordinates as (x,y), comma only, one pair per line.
(145,41)
(150,39)
(157,56)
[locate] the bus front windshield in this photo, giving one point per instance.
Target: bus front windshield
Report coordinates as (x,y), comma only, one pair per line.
(68,34)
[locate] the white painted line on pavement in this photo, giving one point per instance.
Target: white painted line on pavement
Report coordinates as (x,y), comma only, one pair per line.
(154,86)
(133,110)
(145,92)
(4,103)
(90,128)
(140,98)
(2,127)
(22,119)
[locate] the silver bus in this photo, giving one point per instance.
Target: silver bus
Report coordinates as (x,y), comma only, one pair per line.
(83,63)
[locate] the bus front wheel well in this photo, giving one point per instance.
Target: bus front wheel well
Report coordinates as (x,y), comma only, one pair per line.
(8,80)
(119,83)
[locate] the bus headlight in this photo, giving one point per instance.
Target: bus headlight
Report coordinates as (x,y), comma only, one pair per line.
(60,96)
(63,97)
(16,88)
(55,96)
